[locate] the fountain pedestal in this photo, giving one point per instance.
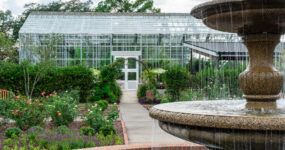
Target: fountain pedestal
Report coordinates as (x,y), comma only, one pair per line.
(257,123)
(261,82)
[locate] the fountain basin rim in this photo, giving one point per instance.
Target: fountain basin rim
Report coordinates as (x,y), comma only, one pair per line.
(218,121)
(214,7)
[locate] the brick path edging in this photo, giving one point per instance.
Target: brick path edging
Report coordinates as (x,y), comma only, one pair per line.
(174,146)
(125,134)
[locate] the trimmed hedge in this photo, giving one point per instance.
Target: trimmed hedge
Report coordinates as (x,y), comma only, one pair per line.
(55,79)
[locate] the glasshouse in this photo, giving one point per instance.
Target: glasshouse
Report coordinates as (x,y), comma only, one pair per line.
(97,39)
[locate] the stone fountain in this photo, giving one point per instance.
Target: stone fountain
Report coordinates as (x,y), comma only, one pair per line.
(257,123)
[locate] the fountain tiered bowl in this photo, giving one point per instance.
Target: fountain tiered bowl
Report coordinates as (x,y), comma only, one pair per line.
(258,122)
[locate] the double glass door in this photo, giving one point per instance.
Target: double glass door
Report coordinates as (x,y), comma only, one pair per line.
(129,78)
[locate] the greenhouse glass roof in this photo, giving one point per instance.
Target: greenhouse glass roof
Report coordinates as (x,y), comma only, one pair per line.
(109,23)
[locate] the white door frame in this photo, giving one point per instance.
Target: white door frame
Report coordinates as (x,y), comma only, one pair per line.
(126,70)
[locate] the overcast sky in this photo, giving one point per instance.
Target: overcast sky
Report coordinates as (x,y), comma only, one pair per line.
(179,6)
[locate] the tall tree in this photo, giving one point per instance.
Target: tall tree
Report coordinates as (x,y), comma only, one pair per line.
(126,6)
(7,50)
(6,22)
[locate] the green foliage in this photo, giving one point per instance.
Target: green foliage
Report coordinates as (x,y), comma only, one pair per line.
(70,144)
(109,139)
(176,80)
(107,88)
(62,110)
(103,104)
(219,83)
(113,114)
(63,130)
(143,88)
(95,119)
(88,131)
(23,143)
(26,112)
(13,132)
(7,51)
(126,6)
(55,79)
(65,143)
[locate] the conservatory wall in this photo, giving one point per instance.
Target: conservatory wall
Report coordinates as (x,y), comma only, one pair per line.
(90,38)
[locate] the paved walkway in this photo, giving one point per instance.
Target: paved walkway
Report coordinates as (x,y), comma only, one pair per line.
(140,127)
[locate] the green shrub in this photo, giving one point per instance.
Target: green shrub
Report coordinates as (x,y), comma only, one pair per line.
(176,80)
(56,79)
(26,112)
(13,132)
(96,120)
(88,131)
(63,130)
(113,114)
(109,91)
(143,88)
(107,128)
(103,104)
(107,88)
(111,139)
(62,110)
(141,93)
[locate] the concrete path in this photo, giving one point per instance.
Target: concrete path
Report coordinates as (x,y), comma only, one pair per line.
(140,127)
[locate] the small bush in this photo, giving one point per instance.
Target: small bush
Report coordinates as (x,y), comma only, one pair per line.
(63,130)
(13,132)
(107,128)
(96,120)
(111,139)
(176,80)
(107,88)
(88,131)
(63,110)
(141,93)
(113,114)
(103,104)
(148,94)
(26,112)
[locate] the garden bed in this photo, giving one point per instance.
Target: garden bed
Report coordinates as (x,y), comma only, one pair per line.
(74,131)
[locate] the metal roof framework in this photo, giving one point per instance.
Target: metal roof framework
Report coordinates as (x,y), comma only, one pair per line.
(225,50)
(109,23)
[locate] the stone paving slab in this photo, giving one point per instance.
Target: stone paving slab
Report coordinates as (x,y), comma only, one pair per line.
(143,129)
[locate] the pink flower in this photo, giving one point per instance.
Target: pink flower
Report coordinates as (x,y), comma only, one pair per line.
(43,93)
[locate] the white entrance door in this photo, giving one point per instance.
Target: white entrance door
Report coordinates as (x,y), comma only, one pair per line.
(130,72)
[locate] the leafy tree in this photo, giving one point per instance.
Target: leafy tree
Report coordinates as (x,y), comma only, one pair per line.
(7,51)
(126,6)
(6,21)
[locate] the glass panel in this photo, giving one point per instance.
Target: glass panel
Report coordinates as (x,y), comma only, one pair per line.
(132,63)
(132,76)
